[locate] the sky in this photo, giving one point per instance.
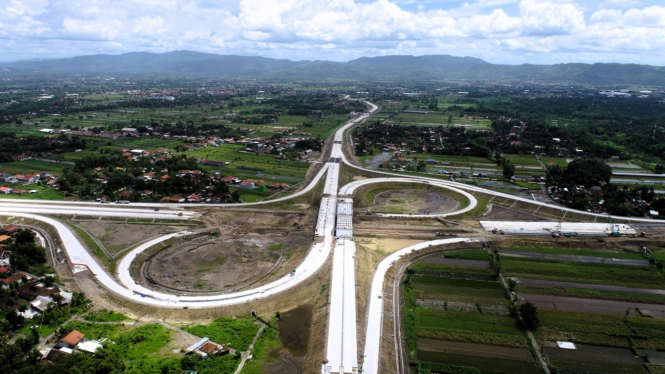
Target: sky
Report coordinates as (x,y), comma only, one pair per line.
(498,31)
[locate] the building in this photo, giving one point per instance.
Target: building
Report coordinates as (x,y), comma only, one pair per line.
(70,340)
(8,229)
(205,347)
(90,346)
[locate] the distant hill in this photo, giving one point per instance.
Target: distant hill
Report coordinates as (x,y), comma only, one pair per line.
(435,67)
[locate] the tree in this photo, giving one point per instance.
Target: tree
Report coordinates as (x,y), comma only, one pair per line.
(587,172)
(529,314)
(508,169)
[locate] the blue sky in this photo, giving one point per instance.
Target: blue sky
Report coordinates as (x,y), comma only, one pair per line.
(499,31)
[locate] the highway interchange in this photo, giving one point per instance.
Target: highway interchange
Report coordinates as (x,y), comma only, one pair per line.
(341,351)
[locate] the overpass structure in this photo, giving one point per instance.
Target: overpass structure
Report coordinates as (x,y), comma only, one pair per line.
(334,233)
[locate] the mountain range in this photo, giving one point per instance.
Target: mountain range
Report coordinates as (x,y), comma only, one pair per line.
(433,67)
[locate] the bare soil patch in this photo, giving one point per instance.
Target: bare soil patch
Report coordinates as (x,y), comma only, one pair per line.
(118,236)
(500,213)
(413,201)
(216,264)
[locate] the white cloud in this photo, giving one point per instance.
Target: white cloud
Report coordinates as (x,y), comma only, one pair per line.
(548,18)
(539,31)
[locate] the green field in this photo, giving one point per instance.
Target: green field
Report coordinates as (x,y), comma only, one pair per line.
(522,160)
(238,331)
(559,160)
(469,327)
(45,193)
(484,365)
(584,293)
(582,252)
(473,254)
(602,329)
(459,290)
(622,275)
(32,166)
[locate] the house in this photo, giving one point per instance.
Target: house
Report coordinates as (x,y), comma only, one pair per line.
(8,229)
(41,303)
(5,190)
(205,347)
(247,185)
(16,277)
(125,194)
(33,289)
(70,340)
(129,130)
(4,238)
(231,179)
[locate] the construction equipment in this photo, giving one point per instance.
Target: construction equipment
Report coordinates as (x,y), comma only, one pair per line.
(614,229)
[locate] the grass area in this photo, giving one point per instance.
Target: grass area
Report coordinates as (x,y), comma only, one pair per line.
(602,329)
(105,316)
(522,160)
(148,349)
(622,275)
(94,331)
(32,167)
(579,252)
(45,193)
(458,290)
(267,343)
(559,161)
(251,165)
(420,267)
(238,331)
(89,242)
(569,365)
(468,364)
(592,294)
(469,327)
(473,254)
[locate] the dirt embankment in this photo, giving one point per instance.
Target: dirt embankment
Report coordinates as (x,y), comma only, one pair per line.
(217,264)
(413,201)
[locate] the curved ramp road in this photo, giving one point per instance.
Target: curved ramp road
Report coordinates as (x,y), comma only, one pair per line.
(376,297)
(102,210)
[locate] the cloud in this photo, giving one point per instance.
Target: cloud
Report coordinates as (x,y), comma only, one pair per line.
(538,31)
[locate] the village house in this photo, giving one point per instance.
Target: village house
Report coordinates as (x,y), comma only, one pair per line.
(70,340)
